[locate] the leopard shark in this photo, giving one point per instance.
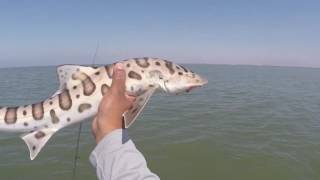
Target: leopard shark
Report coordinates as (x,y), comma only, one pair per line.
(80,91)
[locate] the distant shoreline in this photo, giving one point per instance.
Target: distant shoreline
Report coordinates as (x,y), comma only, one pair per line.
(242,65)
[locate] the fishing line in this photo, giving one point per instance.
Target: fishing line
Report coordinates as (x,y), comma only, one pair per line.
(76,154)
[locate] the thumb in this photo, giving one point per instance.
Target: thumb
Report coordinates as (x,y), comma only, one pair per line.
(118,79)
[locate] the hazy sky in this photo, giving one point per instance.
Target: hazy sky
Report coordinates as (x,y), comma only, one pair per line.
(260,32)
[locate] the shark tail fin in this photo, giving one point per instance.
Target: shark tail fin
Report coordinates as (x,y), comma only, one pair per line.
(36,140)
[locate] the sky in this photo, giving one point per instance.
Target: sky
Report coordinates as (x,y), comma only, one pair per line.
(257,32)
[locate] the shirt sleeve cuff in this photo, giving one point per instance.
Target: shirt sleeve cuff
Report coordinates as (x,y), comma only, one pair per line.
(109,143)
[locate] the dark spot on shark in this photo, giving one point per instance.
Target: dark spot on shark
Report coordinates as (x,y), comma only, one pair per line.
(54,117)
(180,73)
(134,75)
(109,70)
(158,63)
(65,101)
(37,111)
(24,112)
(84,107)
(141,92)
(88,85)
(39,135)
(142,62)
(11,115)
(25,124)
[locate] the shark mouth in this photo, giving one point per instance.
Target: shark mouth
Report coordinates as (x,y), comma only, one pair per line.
(192,87)
(166,89)
(205,81)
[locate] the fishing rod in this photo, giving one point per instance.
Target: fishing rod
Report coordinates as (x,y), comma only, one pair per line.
(76,154)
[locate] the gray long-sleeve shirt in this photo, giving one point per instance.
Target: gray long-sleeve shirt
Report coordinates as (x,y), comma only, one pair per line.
(117,158)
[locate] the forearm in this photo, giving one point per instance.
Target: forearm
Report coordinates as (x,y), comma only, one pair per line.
(117,158)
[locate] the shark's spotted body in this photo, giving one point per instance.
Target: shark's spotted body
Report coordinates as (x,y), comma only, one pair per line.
(82,88)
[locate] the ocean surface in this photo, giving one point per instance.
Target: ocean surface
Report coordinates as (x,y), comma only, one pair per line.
(248,123)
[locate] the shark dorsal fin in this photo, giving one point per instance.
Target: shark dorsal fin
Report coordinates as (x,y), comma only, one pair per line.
(131,115)
(71,75)
(67,72)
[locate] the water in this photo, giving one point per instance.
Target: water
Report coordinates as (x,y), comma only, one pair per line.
(249,122)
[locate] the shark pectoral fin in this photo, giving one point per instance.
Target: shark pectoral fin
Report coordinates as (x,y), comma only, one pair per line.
(131,115)
(68,75)
(36,140)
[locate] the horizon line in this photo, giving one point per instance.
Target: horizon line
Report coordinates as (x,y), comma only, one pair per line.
(219,64)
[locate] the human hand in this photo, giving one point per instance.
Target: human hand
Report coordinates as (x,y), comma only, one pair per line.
(114,103)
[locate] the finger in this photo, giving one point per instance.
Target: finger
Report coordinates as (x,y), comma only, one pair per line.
(118,79)
(130,98)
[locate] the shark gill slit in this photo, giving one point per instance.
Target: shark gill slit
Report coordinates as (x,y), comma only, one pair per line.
(169,65)
(185,69)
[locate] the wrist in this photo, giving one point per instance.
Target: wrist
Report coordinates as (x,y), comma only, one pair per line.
(104,132)
(106,126)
